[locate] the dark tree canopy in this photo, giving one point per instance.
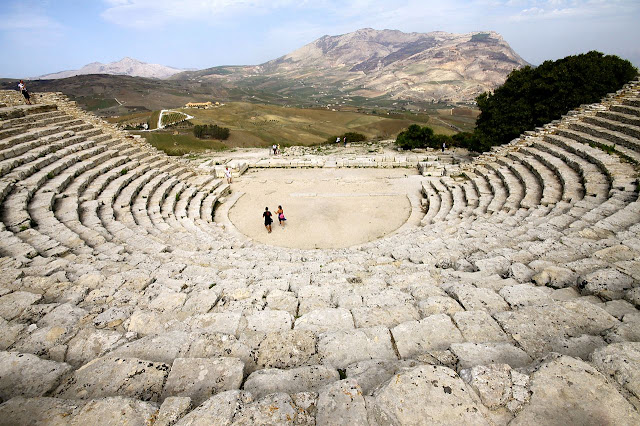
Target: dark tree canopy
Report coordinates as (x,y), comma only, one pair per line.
(210,131)
(351,137)
(531,97)
(421,137)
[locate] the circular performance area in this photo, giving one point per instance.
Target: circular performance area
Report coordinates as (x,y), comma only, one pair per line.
(324,208)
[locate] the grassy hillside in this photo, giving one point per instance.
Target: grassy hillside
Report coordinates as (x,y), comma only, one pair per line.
(267,124)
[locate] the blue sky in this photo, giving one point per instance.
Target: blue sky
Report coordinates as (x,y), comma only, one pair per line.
(43,36)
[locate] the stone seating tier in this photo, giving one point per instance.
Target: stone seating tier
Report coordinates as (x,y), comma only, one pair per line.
(122,299)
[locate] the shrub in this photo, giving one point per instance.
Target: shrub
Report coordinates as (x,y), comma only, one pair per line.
(351,137)
(212,131)
(421,137)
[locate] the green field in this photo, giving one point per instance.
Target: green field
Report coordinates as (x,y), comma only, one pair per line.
(181,144)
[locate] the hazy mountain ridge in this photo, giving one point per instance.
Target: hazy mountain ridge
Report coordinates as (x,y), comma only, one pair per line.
(125,66)
(436,66)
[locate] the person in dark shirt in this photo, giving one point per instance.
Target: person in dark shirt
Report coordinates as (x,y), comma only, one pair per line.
(23,89)
(267,219)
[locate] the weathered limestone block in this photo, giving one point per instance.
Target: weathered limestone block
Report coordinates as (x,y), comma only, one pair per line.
(220,409)
(494,265)
(172,409)
(386,316)
(622,362)
(616,253)
(341,348)
(472,354)
(313,297)
(568,391)
(628,331)
(168,301)
(89,344)
(520,272)
(478,327)
(27,375)
(473,298)
(610,284)
(619,308)
(518,296)
(274,409)
(325,319)
(269,321)
(577,347)
(19,411)
(535,327)
(439,305)
(421,291)
(34,313)
(216,322)
(113,317)
(12,304)
(115,411)
(387,297)
(215,345)
(164,347)
(200,378)
(498,386)
(372,373)
(342,402)
(435,332)
(9,333)
(273,380)
(293,348)
(444,358)
(633,296)
(112,376)
(435,395)
(201,301)
(146,323)
(567,293)
(555,276)
(42,340)
(283,301)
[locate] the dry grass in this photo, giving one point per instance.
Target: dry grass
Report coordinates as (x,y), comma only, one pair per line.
(263,125)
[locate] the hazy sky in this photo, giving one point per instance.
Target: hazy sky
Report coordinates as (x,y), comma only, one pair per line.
(43,36)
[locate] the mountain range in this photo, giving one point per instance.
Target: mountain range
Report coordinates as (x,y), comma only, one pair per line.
(369,68)
(125,66)
(435,66)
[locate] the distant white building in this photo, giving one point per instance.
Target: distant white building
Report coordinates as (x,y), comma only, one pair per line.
(201,105)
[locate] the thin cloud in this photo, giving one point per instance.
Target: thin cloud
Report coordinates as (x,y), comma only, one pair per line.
(28,22)
(147,13)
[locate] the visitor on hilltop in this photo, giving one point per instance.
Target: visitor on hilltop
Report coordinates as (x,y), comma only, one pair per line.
(227,174)
(25,92)
(267,219)
(275,149)
(279,152)
(281,217)
(338,139)
(345,141)
(444,145)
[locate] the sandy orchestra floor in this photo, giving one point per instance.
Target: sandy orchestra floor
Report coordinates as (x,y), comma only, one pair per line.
(325,208)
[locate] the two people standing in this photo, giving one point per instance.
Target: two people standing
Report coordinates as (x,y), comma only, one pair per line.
(23,89)
(268,220)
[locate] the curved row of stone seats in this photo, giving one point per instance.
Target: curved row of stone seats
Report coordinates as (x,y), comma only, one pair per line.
(489,395)
(381,317)
(513,188)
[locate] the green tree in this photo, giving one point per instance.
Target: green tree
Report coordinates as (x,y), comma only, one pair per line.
(532,97)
